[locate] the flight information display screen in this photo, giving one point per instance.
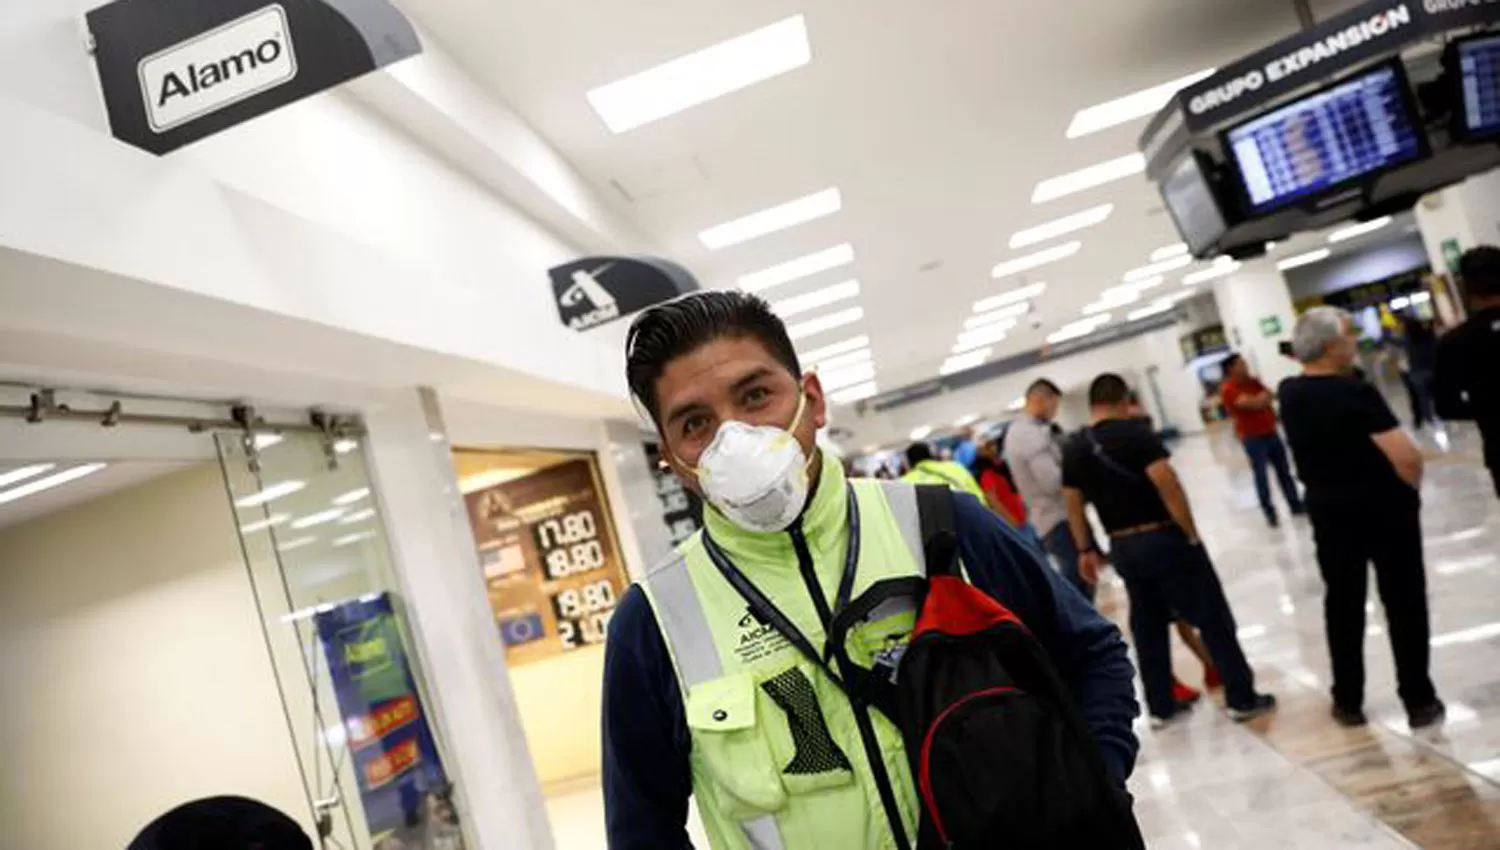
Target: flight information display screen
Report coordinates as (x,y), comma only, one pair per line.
(1341,134)
(1193,206)
(1479,64)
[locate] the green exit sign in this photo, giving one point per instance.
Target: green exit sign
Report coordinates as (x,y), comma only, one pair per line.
(1270,326)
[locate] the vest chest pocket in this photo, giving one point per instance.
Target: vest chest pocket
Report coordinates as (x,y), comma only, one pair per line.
(733,748)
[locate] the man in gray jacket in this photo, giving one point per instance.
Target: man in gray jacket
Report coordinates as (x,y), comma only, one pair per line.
(1033,448)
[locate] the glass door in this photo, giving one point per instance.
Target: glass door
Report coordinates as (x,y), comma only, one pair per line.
(316,553)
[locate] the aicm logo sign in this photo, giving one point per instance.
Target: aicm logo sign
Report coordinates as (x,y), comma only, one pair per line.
(585,302)
(221,67)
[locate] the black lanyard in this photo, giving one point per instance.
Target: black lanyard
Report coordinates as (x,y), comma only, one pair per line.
(767,611)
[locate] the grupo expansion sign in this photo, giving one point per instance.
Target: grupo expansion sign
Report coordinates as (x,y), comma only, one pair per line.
(175,71)
(1370,30)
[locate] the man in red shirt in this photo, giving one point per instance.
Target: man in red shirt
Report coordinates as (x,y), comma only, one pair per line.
(1252,408)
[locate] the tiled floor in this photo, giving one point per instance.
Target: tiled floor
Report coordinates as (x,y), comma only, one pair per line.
(1295,780)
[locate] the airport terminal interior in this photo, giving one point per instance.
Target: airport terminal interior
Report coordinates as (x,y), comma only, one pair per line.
(321,480)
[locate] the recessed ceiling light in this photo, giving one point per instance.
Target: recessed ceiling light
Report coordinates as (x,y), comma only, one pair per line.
(969,340)
(356,537)
(1307,259)
(966,419)
(859,392)
(296,543)
(1025,293)
(1087,178)
(1118,299)
(1156,269)
(352,496)
(1003,315)
(838,379)
(1151,309)
(345,446)
(780,217)
(1081,327)
(963,362)
(318,518)
(1354,230)
(275,491)
(1102,116)
(825,323)
(1018,404)
(920,432)
(25,472)
(1031,261)
(703,75)
(265,441)
(842,347)
(263,524)
(821,261)
(56,479)
(1068,334)
(839,361)
(358,516)
(1169,252)
(1148,283)
(1061,226)
(798,304)
(1222,268)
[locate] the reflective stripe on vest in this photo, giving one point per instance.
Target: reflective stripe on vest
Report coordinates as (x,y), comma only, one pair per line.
(761,805)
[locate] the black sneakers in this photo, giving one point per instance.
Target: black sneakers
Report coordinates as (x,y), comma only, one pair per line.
(1179,711)
(1262,704)
(1427,715)
(1349,718)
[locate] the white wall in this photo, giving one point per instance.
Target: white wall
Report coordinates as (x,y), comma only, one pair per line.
(1072,373)
(136,675)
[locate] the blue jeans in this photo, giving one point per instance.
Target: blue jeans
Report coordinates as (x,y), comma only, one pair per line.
(1167,579)
(1059,544)
(1268,450)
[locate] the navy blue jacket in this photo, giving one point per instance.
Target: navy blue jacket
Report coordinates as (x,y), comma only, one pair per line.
(646,776)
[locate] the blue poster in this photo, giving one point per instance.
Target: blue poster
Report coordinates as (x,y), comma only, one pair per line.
(402,785)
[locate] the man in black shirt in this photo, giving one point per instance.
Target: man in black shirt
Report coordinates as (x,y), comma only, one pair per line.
(1361,473)
(1121,466)
(1466,380)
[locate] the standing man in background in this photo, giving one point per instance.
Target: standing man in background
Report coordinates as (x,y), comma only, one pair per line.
(923,468)
(1252,407)
(1033,448)
(1120,465)
(1466,380)
(1362,474)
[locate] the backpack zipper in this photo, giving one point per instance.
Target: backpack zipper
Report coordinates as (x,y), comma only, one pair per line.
(861,712)
(924,782)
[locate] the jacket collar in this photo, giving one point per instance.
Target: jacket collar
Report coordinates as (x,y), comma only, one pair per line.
(824,520)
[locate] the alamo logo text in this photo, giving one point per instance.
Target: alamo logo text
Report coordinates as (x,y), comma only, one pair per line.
(223,66)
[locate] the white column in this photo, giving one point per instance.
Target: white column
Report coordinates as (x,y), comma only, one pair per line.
(438,576)
(1256,308)
(1467,214)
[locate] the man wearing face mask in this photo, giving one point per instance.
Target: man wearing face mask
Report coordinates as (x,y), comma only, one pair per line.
(704,698)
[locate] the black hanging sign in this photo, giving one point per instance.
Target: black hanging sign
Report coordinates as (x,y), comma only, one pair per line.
(596,290)
(1374,29)
(175,71)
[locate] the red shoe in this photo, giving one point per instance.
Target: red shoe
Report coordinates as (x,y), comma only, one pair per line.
(1184,694)
(1211,678)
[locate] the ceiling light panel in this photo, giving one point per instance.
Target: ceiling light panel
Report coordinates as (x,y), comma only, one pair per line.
(1129,107)
(1062,226)
(1032,261)
(780,217)
(1217,270)
(1169,252)
(703,75)
(1087,178)
(825,323)
(838,379)
(799,304)
(962,362)
(1025,293)
(1356,230)
(842,347)
(1004,316)
(850,395)
(275,491)
(969,340)
(839,361)
(1157,269)
(56,479)
(17,475)
(821,261)
(1149,310)
(1307,259)
(1118,299)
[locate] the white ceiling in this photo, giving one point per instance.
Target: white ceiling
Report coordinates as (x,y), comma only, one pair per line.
(934,119)
(112,478)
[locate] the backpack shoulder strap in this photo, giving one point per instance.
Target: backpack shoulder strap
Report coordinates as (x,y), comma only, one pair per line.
(939,529)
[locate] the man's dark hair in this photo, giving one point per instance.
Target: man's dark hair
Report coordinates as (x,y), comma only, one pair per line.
(1480,268)
(668,331)
(1229,362)
(1041,384)
(1108,389)
(918,452)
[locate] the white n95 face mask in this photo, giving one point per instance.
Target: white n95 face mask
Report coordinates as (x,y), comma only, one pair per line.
(756,475)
